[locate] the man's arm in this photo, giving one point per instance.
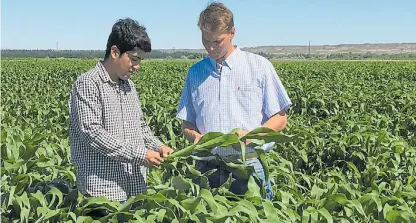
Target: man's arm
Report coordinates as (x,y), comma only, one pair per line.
(277,122)
(275,99)
(86,111)
(275,103)
(186,112)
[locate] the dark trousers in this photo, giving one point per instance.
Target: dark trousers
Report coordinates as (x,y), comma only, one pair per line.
(239,186)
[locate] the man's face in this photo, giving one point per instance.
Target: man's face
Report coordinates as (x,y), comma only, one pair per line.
(217,44)
(128,63)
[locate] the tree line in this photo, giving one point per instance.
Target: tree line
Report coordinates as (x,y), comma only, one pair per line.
(155,54)
(158,54)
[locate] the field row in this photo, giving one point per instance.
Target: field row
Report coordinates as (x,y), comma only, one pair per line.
(353,157)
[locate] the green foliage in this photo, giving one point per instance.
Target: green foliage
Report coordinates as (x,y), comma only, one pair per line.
(348,153)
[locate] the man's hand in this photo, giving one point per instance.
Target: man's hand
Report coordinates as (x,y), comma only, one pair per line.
(197,137)
(165,151)
(153,158)
(191,132)
(240,133)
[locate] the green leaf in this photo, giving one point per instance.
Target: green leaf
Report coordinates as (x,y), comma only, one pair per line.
(285,196)
(243,150)
(274,137)
(180,183)
(368,199)
(326,215)
(339,198)
(394,216)
(214,206)
(260,130)
(357,206)
(264,162)
(209,136)
(240,170)
(55,193)
(246,207)
(161,215)
(207,143)
(253,189)
(193,204)
(269,211)
(50,214)
(84,219)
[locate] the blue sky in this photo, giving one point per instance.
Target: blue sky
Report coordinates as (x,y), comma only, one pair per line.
(80,24)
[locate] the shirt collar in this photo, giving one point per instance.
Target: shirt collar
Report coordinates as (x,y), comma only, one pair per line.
(230,61)
(102,72)
(105,76)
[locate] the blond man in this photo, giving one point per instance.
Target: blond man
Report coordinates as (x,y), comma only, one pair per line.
(230,89)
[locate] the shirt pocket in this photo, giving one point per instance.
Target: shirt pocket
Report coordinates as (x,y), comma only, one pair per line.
(250,99)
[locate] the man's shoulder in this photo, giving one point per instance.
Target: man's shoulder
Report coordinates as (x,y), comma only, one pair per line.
(201,64)
(91,75)
(253,57)
(257,64)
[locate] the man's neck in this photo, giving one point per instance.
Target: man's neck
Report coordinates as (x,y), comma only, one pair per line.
(111,71)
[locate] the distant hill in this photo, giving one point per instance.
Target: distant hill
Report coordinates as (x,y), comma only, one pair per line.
(385,48)
(373,48)
(343,51)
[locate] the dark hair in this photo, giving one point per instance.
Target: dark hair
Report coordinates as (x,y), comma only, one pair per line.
(127,34)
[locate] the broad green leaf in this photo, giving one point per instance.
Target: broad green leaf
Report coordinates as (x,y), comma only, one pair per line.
(394,216)
(339,198)
(179,183)
(274,137)
(326,215)
(367,200)
(253,189)
(357,206)
(214,206)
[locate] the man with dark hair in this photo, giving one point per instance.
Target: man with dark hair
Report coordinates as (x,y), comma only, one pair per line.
(111,145)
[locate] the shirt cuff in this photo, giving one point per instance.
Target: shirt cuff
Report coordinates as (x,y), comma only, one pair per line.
(140,156)
(156,145)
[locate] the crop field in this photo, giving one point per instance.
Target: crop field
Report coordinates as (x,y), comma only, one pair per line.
(348,153)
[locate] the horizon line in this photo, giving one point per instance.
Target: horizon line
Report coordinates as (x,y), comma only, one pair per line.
(244,47)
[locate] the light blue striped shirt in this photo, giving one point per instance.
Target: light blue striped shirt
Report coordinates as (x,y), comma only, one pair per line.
(244,94)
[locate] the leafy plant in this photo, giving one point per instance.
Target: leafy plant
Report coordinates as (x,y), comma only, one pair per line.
(348,153)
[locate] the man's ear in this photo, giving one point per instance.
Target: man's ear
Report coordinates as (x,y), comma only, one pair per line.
(115,53)
(232,32)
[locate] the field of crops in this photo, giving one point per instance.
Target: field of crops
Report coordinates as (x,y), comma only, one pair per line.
(347,155)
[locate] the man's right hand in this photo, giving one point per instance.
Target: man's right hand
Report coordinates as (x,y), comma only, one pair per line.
(153,158)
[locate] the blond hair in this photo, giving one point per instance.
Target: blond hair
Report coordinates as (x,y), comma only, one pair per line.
(216,18)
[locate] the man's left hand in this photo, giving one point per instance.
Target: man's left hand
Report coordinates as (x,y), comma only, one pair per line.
(165,151)
(241,133)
